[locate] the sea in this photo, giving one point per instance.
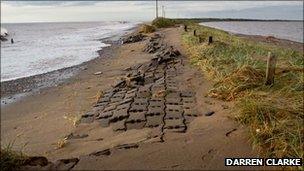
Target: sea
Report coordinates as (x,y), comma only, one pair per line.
(43,47)
(289,30)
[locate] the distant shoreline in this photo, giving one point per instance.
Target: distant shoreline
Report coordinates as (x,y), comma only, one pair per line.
(282,30)
(191,19)
(235,19)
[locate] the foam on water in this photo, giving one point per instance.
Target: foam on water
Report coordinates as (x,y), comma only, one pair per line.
(43,47)
(3,32)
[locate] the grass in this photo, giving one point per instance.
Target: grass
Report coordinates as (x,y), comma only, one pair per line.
(145,28)
(274,113)
(161,22)
(11,160)
(74,119)
(98,96)
(61,143)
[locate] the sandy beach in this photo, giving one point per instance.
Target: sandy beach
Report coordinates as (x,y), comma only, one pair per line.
(39,123)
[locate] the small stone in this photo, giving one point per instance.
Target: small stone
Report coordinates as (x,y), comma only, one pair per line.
(98,73)
(209,113)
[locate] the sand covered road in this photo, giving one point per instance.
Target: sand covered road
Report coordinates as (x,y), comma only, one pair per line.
(39,120)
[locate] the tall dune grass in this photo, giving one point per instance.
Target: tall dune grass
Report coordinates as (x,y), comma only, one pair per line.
(274,114)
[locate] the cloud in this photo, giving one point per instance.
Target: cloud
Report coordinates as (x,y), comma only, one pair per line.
(42,11)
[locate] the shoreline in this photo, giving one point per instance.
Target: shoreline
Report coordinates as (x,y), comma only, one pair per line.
(284,43)
(13,90)
(35,83)
(252,35)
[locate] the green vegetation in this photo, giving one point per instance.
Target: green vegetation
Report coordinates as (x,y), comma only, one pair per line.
(161,22)
(147,29)
(274,113)
(11,160)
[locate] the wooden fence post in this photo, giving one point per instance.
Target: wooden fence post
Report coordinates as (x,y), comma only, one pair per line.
(210,40)
(194,32)
(270,70)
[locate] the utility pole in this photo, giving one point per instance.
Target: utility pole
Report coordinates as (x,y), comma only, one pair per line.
(156,8)
(163,12)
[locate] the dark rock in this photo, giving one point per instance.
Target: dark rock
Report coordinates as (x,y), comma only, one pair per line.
(105,152)
(127,146)
(2,38)
(209,113)
(87,118)
(27,90)
(36,160)
(133,38)
(120,84)
(229,132)
(65,164)
(72,136)
(127,69)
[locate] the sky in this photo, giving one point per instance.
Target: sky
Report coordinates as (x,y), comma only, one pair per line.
(61,11)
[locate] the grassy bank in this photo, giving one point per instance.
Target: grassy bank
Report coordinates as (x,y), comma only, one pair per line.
(275,113)
(11,160)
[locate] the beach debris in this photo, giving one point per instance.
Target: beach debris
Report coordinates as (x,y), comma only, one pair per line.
(98,73)
(153,45)
(127,146)
(105,152)
(36,160)
(99,139)
(42,163)
(120,83)
(229,132)
(127,69)
(148,96)
(77,136)
(27,90)
(133,38)
(3,34)
(87,118)
(2,38)
(65,164)
(209,113)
